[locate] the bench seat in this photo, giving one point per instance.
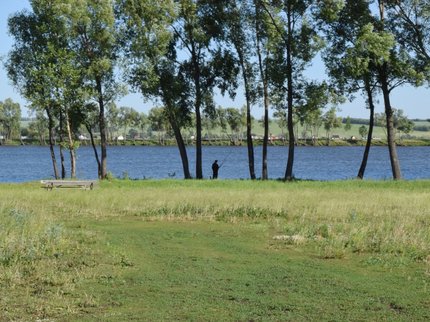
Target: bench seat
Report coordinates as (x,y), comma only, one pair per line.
(83,184)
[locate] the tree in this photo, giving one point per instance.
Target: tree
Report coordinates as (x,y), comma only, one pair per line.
(381,121)
(10,117)
(280,116)
(143,121)
(362,130)
(69,97)
(371,59)
(331,121)
(343,58)
(112,119)
(347,126)
(299,43)
(394,68)
(402,123)
(39,128)
(265,44)
(310,102)
(157,122)
(90,119)
(239,24)
(221,116)
(315,121)
(93,38)
(128,117)
(209,122)
(234,120)
(412,28)
(32,61)
(153,69)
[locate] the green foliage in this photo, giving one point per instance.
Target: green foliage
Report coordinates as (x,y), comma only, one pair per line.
(329,9)
(331,121)
(65,57)
(363,131)
(411,26)
(234,119)
(10,117)
(347,126)
(371,47)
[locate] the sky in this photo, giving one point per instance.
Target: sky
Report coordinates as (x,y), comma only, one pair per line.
(415,102)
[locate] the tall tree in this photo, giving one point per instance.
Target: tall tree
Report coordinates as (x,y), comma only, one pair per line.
(91,24)
(31,61)
(265,42)
(374,57)
(392,71)
(293,21)
(343,56)
(69,95)
(89,118)
(152,68)
(203,64)
(239,25)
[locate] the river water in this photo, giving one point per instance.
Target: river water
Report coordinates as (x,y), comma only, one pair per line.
(28,163)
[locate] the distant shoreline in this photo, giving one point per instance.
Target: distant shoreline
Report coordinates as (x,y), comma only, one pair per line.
(300,142)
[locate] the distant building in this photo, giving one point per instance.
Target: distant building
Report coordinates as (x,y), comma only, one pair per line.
(82,137)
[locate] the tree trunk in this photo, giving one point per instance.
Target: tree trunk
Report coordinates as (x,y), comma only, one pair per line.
(62,162)
(199,167)
(383,78)
(197,106)
(360,174)
(248,114)
(71,148)
(290,122)
(102,126)
(181,147)
(52,143)
(96,154)
(41,140)
(264,174)
(395,164)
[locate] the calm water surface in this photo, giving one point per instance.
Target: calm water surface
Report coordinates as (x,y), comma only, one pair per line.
(28,163)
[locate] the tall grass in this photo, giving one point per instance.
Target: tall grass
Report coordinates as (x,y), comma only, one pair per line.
(47,246)
(338,217)
(40,260)
(27,238)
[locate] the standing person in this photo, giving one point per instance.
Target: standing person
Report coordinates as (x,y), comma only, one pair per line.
(215,168)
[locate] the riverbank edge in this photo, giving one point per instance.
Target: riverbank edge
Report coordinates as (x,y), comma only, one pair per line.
(307,143)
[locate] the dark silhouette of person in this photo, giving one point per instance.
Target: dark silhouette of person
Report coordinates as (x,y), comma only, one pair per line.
(215,168)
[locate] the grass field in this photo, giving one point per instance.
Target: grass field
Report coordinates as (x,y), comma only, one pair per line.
(215,251)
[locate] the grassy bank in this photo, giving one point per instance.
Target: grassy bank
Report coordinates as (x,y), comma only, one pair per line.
(216,250)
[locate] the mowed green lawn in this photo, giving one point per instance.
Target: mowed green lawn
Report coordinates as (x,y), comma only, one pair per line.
(216,251)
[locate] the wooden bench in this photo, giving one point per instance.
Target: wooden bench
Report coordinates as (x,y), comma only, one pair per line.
(83,184)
